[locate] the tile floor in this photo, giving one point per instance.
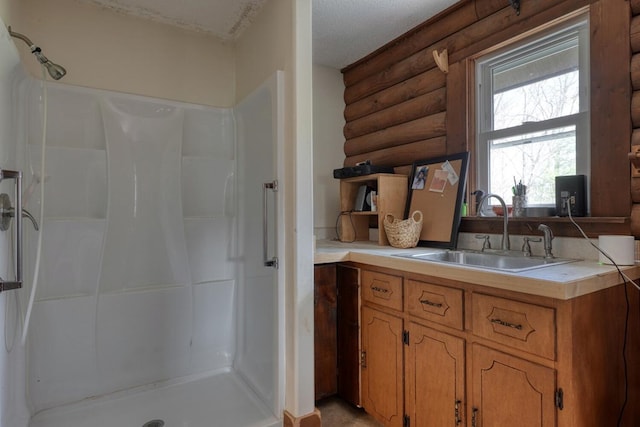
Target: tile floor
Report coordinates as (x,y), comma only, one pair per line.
(336,412)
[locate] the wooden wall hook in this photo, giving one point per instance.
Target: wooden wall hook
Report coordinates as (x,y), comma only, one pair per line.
(442,60)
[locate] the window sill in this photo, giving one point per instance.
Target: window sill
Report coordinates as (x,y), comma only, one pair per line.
(561,226)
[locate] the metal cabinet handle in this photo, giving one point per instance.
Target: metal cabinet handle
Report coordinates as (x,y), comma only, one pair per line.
(431,303)
(474,417)
(457,411)
(273,262)
(379,289)
(507,324)
(18,213)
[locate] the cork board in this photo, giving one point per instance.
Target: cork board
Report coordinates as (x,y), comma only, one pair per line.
(436,188)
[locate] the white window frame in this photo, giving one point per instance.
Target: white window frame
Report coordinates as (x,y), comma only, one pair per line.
(512,52)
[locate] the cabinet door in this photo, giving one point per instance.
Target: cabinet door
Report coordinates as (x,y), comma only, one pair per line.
(325,340)
(508,391)
(382,367)
(348,334)
(435,371)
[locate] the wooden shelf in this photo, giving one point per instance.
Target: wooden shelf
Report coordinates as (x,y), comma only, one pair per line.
(562,226)
(392,192)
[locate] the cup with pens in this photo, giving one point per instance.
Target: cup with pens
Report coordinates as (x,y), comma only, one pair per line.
(519,198)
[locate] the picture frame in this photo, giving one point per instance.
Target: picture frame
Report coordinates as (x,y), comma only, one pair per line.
(436,188)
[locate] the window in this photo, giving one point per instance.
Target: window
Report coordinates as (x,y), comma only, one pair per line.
(532,100)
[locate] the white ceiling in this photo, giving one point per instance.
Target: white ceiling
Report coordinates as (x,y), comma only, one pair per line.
(343,30)
(347,30)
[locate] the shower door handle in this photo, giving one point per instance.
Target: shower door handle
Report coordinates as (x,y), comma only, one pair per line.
(6,285)
(273,262)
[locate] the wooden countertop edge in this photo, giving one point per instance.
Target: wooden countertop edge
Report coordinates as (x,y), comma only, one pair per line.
(529,282)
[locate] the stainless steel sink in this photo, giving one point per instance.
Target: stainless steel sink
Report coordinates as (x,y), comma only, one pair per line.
(512,262)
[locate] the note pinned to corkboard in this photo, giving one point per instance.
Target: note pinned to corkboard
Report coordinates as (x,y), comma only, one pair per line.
(436,188)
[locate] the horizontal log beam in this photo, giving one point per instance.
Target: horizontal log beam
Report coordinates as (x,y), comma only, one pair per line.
(473,38)
(635,190)
(402,70)
(415,130)
(635,109)
(635,182)
(424,105)
(635,71)
(396,94)
(634,33)
(635,220)
(402,154)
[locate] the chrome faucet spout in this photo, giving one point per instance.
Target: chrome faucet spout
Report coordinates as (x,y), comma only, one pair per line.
(505,246)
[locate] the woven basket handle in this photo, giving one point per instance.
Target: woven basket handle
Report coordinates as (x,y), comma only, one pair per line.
(389,218)
(416,216)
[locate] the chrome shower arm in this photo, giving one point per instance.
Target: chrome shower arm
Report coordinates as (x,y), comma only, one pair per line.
(23,38)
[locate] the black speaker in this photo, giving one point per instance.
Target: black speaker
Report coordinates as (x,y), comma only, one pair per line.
(570,191)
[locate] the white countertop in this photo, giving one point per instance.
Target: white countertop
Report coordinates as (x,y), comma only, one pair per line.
(564,281)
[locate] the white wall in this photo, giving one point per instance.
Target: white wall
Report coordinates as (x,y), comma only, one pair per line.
(264,47)
(328,146)
(107,50)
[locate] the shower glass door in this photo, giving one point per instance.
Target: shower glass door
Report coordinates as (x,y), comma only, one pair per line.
(259,133)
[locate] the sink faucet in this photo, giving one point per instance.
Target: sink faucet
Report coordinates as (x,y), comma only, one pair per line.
(548,237)
(505,220)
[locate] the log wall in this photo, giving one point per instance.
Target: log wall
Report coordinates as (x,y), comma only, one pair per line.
(400,107)
(635,109)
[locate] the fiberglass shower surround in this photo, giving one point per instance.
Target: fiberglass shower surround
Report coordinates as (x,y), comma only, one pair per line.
(138,279)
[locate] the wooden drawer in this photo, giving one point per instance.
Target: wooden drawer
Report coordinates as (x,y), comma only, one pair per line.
(436,303)
(527,327)
(382,289)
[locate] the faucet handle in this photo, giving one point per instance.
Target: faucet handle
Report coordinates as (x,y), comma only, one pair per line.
(526,248)
(486,244)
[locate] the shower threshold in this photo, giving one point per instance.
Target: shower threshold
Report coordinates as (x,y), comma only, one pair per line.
(220,400)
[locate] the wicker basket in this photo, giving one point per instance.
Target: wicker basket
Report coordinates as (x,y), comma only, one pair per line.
(403,233)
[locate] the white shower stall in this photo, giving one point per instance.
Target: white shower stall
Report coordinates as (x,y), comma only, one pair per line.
(154,303)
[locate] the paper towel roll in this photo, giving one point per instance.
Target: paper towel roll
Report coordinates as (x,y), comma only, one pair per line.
(620,248)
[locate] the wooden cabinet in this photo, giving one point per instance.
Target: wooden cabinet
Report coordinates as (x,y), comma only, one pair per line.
(435,378)
(439,304)
(527,327)
(416,355)
(443,353)
(382,347)
(325,339)
(382,289)
(391,191)
(348,332)
(509,391)
(382,366)
(421,343)
(337,332)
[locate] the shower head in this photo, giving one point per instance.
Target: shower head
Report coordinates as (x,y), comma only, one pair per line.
(55,71)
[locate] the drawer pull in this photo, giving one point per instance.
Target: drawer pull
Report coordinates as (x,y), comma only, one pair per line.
(379,289)
(431,303)
(507,324)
